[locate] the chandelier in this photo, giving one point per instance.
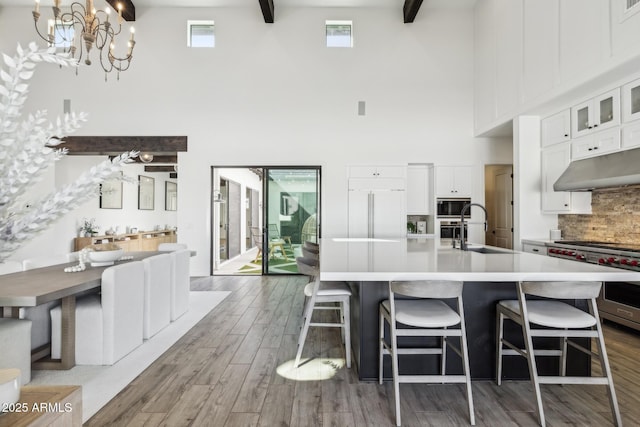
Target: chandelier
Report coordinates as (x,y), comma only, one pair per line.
(95,30)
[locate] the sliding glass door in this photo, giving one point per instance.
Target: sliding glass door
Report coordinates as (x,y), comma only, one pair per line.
(291,212)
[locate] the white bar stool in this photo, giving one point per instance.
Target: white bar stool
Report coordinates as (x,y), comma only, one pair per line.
(426,316)
(318,292)
(557,319)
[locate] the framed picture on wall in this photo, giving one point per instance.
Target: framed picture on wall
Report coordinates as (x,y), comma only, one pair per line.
(170,196)
(146,192)
(111,194)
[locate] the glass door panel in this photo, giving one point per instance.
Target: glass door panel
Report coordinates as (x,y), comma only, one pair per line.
(606,110)
(291,211)
(635,100)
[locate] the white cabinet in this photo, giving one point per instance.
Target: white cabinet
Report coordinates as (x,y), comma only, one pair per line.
(377,171)
(554,162)
(584,37)
(595,114)
(631,101)
(534,248)
(377,213)
(454,181)
(631,135)
(419,190)
(596,144)
(540,48)
(556,128)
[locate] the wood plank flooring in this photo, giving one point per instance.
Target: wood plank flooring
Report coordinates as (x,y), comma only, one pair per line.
(225,372)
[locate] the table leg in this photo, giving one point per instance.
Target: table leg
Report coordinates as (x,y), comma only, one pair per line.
(68,338)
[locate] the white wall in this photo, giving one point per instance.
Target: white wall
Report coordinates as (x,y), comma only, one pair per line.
(273,94)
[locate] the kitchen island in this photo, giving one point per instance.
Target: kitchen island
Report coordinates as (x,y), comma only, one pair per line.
(490,275)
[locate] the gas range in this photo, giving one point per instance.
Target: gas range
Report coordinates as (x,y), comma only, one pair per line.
(618,255)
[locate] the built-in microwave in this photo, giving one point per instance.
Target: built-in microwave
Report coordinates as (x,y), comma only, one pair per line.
(452,207)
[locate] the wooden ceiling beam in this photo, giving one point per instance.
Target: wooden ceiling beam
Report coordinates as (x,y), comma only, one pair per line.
(114,145)
(128,9)
(410,10)
(267,10)
(159,169)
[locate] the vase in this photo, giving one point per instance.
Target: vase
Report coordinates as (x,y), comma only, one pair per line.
(87,234)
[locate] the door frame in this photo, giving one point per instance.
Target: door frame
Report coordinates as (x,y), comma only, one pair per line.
(215,177)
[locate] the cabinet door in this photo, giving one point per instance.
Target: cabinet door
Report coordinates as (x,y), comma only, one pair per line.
(391,171)
(362,172)
(418,190)
(596,144)
(582,119)
(463,180)
(388,214)
(631,135)
(444,181)
(554,161)
(607,110)
(556,128)
(631,101)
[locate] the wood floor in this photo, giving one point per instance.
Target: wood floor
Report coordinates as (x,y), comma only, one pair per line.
(225,372)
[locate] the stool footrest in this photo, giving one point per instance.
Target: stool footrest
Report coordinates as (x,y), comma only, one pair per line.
(436,379)
(572,380)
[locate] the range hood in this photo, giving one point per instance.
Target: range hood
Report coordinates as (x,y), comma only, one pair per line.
(610,170)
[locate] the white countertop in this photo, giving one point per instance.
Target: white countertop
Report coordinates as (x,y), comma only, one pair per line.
(419,259)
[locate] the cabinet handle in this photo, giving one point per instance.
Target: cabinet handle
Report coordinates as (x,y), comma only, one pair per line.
(535,250)
(595,148)
(590,127)
(566,135)
(566,205)
(589,149)
(595,126)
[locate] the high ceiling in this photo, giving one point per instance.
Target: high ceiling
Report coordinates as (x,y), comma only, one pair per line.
(278,3)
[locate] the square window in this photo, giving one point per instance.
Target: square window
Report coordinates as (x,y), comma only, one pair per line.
(339,33)
(201,34)
(63,33)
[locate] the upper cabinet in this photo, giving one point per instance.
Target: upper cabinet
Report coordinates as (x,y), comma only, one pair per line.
(596,114)
(556,128)
(631,101)
(584,37)
(419,190)
(454,181)
(377,171)
(595,144)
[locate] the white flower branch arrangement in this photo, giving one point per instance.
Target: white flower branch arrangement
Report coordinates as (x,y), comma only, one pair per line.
(28,146)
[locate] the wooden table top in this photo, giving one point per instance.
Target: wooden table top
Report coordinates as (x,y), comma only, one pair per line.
(41,285)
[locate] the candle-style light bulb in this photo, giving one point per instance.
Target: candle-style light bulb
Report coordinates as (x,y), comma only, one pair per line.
(133,31)
(108,12)
(120,13)
(37,8)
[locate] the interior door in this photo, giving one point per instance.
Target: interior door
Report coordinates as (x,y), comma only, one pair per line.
(291,212)
(500,233)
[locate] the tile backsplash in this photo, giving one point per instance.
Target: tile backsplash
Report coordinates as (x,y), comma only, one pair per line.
(615,217)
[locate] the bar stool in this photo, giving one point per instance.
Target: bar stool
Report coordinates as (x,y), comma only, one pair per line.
(426,316)
(557,319)
(309,252)
(318,292)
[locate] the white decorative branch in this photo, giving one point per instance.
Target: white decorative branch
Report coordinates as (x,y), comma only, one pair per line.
(29,146)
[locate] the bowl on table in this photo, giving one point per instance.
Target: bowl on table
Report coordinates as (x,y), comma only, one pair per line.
(105,255)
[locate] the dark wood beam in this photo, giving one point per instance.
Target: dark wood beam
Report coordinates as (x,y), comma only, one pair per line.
(160,159)
(114,145)
(173,175)
(128,9)
(159,169)
(267,10)
(410,10)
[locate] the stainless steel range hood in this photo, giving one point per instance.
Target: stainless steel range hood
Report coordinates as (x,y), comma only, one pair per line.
(610,170)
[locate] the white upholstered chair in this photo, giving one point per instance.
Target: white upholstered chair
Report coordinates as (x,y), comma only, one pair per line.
(15,345)
(157,294)
(317,294)
(170,247)
(180,283)
(425,315)
(551,317)
(108,326)
(310,252)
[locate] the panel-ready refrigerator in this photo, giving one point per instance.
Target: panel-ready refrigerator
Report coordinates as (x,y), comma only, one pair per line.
(377,208)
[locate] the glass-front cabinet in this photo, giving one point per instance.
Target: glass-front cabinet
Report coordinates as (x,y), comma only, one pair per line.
(595,114)
(631,101)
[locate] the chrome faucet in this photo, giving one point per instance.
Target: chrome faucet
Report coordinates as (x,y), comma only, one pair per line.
(465,208)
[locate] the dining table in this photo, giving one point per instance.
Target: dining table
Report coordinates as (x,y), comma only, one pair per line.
(42,285)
